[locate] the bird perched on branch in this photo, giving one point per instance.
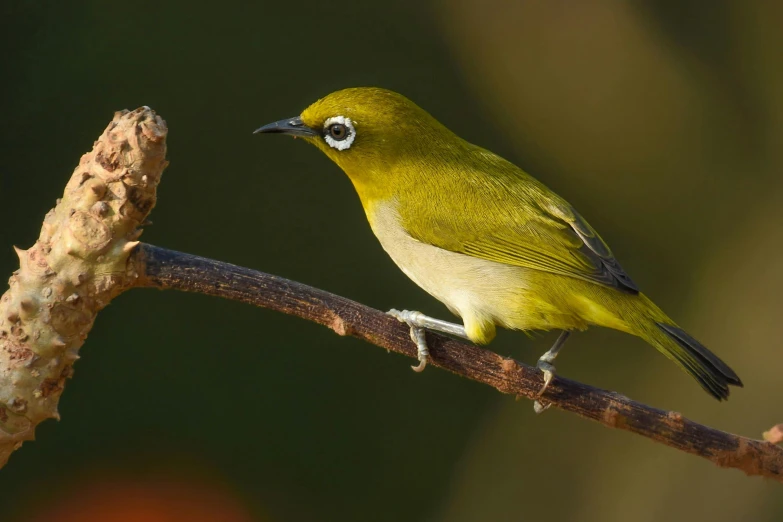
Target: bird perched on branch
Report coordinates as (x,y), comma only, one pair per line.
(495,245)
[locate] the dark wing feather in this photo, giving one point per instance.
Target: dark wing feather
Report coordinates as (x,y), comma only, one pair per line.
(595,247)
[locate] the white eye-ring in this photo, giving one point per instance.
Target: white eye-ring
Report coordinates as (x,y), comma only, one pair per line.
(339,132)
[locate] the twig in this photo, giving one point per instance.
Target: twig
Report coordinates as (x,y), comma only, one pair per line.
(87,255)
(167,269)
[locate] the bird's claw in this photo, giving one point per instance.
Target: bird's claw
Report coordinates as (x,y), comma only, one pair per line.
(549,373)
(417,336)
(538,407)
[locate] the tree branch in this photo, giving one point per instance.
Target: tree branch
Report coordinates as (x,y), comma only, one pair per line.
(166,269)
(87,255)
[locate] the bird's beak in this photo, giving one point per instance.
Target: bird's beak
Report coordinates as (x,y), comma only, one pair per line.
(293,126)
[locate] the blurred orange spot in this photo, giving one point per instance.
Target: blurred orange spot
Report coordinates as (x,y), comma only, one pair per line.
(146,501)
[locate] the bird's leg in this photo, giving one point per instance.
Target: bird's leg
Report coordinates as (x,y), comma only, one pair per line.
(545,365)
(419,323)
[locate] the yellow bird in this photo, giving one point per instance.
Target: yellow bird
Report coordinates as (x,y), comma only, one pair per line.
(478,233)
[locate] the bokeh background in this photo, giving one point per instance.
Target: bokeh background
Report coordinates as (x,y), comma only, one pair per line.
(661,121)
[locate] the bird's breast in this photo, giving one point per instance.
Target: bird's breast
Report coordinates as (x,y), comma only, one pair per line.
(469,286)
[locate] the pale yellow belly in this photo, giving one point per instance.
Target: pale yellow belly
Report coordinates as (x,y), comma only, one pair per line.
(483,293)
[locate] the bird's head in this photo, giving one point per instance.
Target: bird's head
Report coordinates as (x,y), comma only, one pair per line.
(367,131)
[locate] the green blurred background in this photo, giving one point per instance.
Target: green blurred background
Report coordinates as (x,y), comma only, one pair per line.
(661,121)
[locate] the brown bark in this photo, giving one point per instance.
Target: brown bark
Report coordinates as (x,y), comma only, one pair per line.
(167,269)
(77,266)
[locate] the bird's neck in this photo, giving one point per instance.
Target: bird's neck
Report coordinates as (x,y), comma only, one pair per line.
(376,184)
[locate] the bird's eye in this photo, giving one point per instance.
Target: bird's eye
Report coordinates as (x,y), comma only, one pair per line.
(339,132)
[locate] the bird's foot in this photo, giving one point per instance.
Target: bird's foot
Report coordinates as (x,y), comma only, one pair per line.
(549,373)
(545,365)
(548,369)
(539,407)
(414,320)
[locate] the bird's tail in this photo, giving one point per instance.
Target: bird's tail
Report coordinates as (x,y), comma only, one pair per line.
(712,374)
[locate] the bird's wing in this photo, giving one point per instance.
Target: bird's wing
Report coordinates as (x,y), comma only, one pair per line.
(529,227)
